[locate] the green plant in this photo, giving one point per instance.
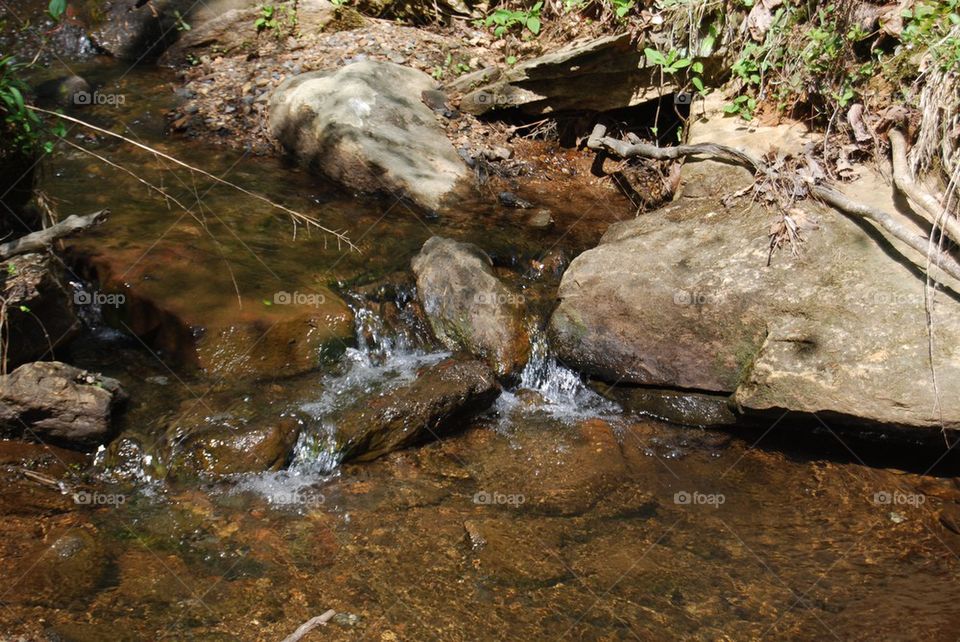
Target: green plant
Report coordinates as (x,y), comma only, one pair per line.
(622,7)
(180,22)
(23,130)
(502,20)
(278,19)
(57,8)
(743,106)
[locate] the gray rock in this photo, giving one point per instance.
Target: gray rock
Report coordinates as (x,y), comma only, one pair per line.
(685,299)
(468,307)
(435,403)
(40,311)
(365,126)
(57,403)
(134,30)
(601,74)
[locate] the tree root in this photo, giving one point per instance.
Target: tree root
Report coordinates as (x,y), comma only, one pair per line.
(926,203)
(44,238)
(599,142)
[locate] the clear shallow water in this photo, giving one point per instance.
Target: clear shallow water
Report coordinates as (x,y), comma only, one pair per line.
(552,517)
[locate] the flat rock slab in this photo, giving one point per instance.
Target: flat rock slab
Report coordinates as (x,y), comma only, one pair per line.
(601,74)
(366,127)
(57,403)
(684,298)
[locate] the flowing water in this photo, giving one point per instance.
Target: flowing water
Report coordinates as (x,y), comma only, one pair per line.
(553,516)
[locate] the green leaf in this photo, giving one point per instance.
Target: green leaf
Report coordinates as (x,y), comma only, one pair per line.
(24,308)
(697,83)
(655,57)
(731,108)
(56,8)
(697,67)
(533,24)
(17,97)
(511,60)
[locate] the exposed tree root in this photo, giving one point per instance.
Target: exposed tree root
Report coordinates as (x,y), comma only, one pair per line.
(601,143)
(926,203)
(44,238)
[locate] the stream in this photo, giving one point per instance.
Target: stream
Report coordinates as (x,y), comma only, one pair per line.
(555,515)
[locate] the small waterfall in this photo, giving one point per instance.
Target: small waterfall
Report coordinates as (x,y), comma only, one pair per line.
(386,356)
(548,387)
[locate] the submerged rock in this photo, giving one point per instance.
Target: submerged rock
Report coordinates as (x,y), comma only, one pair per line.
(54,402)
(468,307)
(135,30)
(40,313)
(365,126)
(438,401)
(66,567)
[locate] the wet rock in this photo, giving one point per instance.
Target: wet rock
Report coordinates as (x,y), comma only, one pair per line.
(193,318)
(468,307)
(67,567)
(40,314)
(541,220)
(54,402)
(509,199)
(686,299)
(230,31)
(135,30)
(553,479)
(682,407)
(602,74)
(438,401)
(365,126)
(152,577)
(237,440)
(65,91)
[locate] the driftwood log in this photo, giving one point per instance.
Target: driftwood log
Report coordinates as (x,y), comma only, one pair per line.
(44,238)
(600,142)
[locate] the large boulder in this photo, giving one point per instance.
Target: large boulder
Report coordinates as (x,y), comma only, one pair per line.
(366,127)
(468,307)
(40,313)
(441,398)
(57,403)
(685,299)
(601,74)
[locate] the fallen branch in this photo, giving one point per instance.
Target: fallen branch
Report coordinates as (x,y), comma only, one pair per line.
(44,238)
(927,204)
(310,625)
(599,142)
